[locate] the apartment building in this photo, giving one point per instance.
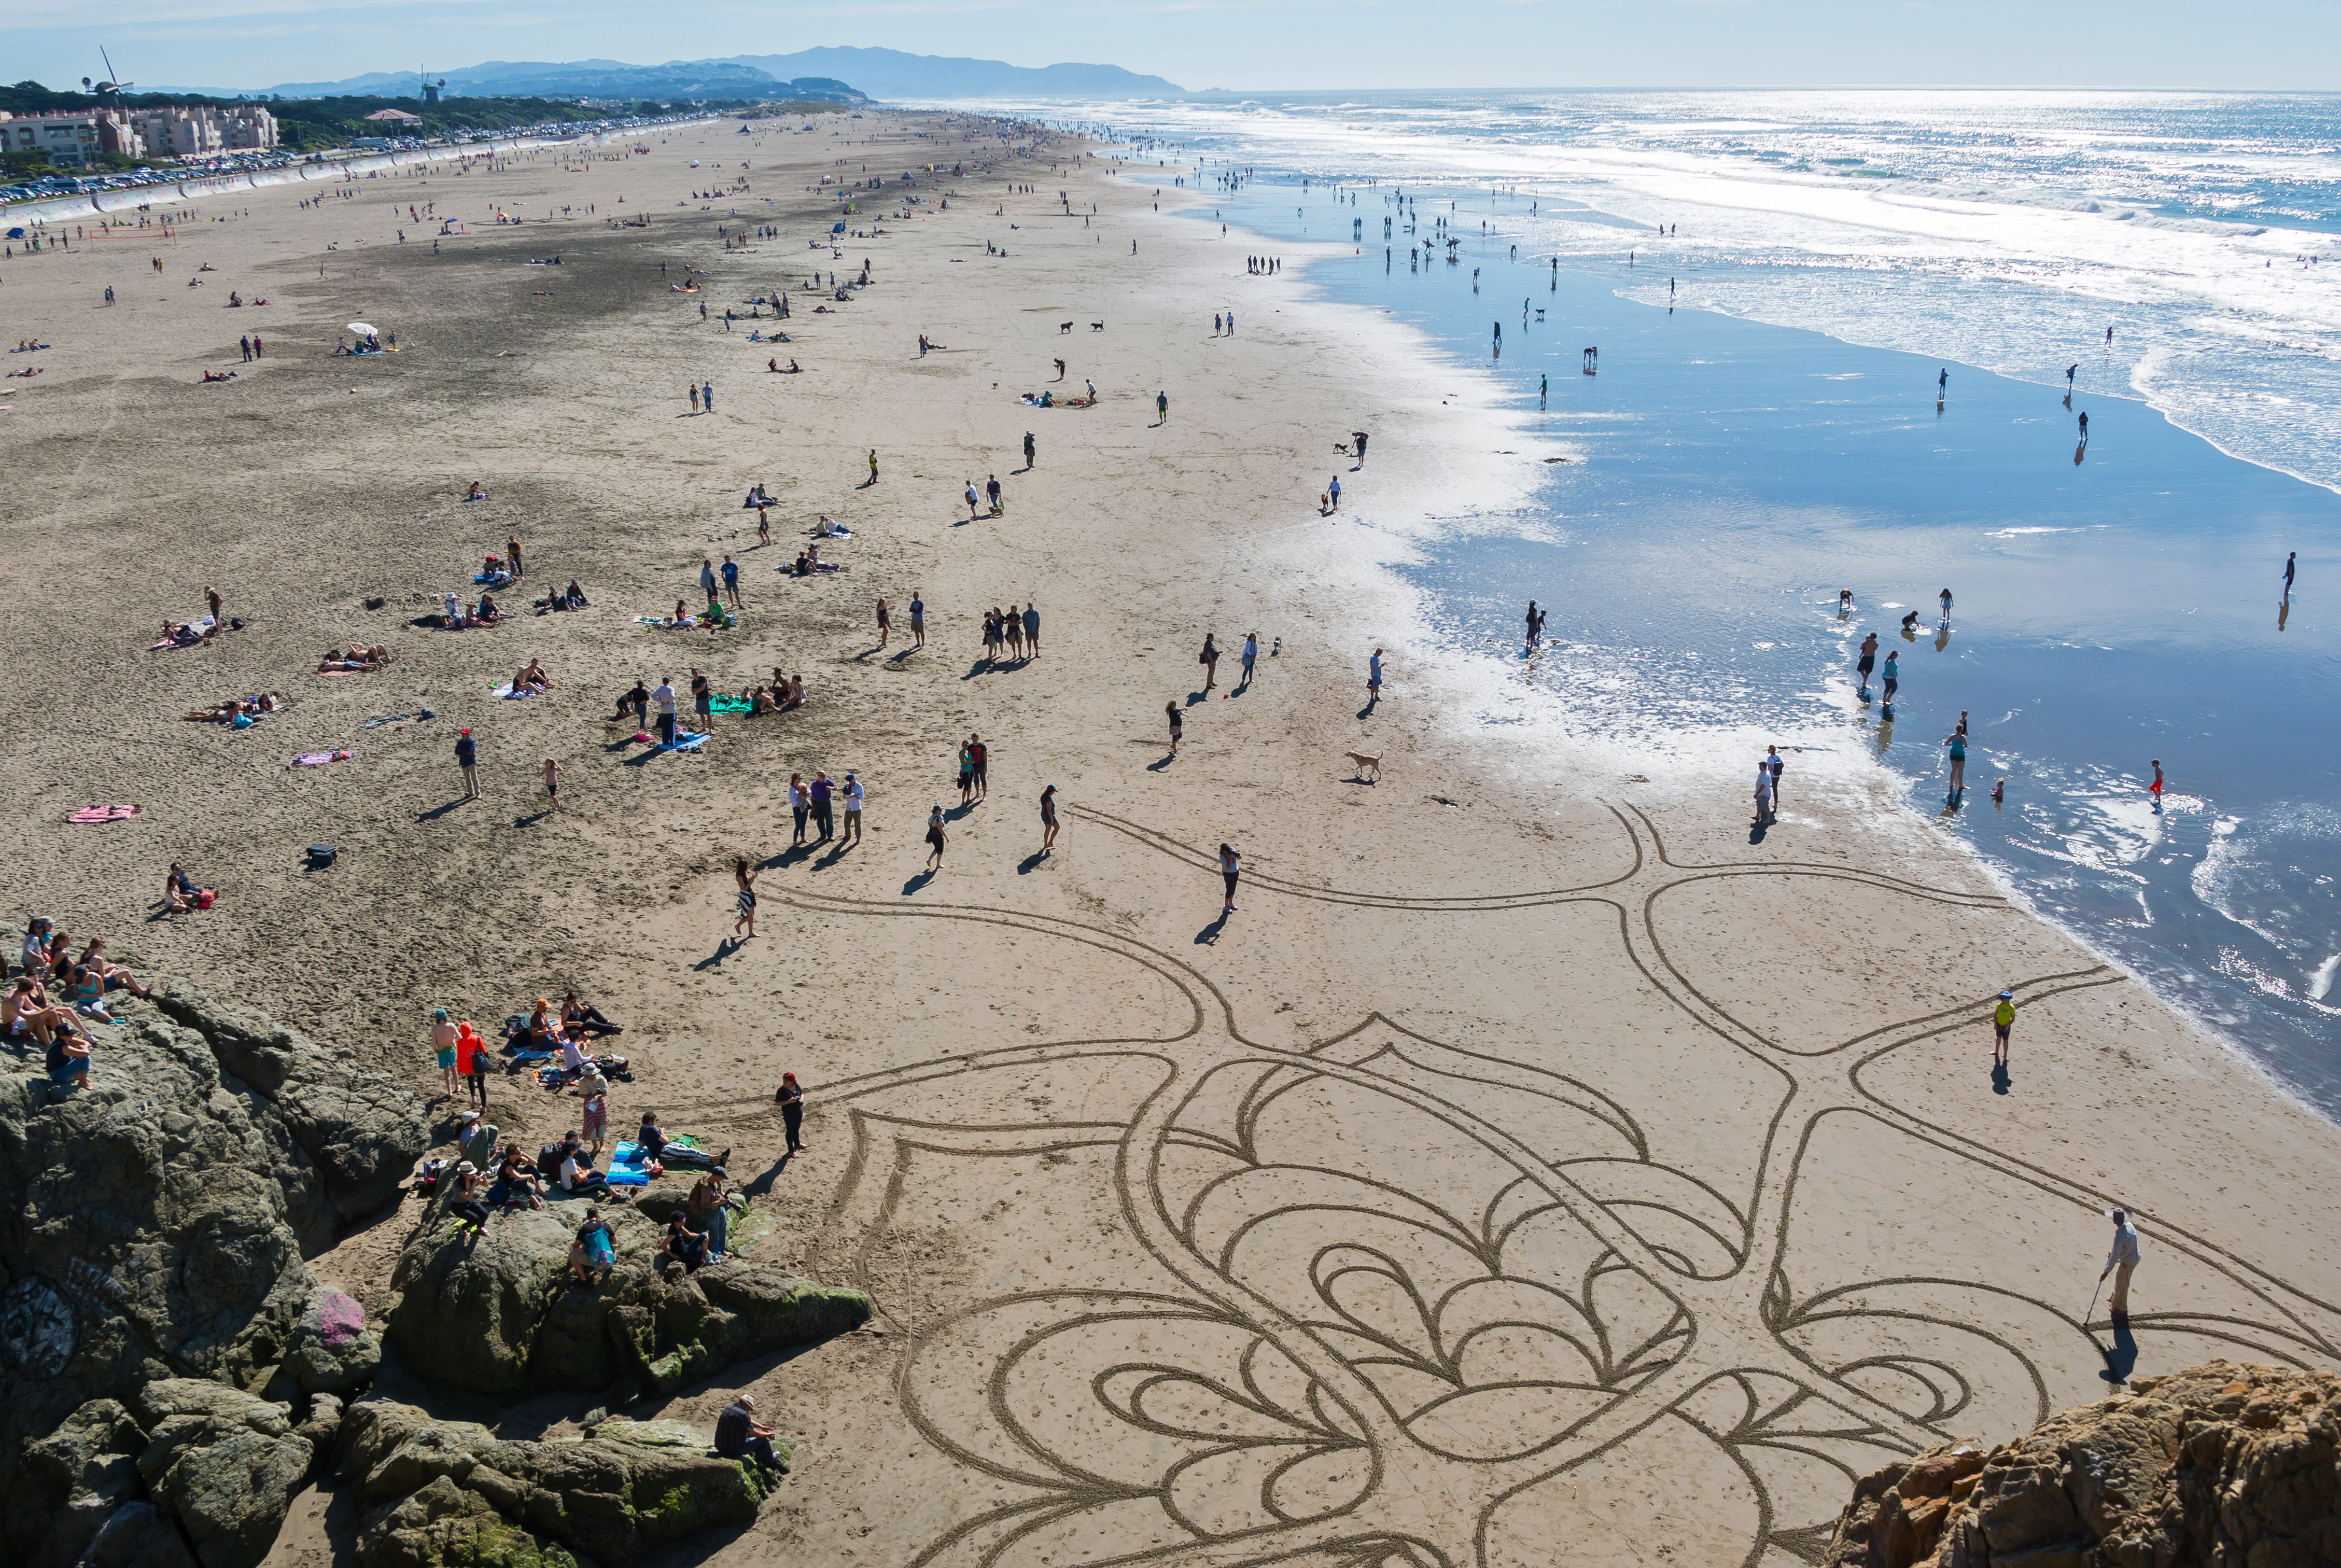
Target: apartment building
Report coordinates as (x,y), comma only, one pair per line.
(72,136)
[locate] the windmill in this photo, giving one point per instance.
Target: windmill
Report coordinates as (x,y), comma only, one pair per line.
(108,92)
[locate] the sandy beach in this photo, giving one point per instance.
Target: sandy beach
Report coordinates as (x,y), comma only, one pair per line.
(1530,1159)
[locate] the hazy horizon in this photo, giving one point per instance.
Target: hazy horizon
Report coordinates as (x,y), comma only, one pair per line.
(1279,46)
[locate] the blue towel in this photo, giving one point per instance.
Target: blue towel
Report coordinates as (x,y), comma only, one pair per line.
(687,741)
(626,1154)
(634,1177)
(532,1055)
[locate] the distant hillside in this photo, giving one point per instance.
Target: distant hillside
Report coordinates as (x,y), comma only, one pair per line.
(891,73)
(586,78)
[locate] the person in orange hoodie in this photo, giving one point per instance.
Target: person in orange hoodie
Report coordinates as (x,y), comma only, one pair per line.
(472,1058)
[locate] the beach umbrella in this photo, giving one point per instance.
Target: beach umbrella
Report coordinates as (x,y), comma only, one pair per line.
(362,329)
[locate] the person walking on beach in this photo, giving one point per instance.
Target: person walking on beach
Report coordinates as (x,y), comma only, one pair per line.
(1162,408)
(1942,383)
(707,398)
(1230,868)
(1868,663)
(918,621)
(2068,377)
(1250,657)
(2155,789)
(1178,722)
(212,601)
(936,839)
(1031,448)
(978,759)
(747,881)
(1778,764)
(2120,1263)
(1958,742)
(694,398)
(799,807)
(1892,675)
(1763,791)
(2085,426)
(549,771)
(971,500)
(2003,1019)
(2291,562)
(467,757)
(442,1042)
(885,621)
(854,796)
(992,493)
(1535,625)
(1946,597)
(1210,659)
(1374,678)
(873,465)
(1049,820)
(1334,490)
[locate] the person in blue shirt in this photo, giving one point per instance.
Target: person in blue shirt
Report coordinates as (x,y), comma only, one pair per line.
(731,581)
(467,757)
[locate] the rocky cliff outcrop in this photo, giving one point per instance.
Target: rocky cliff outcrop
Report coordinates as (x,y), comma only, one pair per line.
(439,1492)
(2226,1466)
(495,1311)
(152,1232)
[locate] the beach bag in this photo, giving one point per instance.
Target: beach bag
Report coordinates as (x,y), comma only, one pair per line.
(322,855)
(205,898)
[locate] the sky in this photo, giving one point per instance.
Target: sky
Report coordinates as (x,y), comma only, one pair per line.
(1241,44)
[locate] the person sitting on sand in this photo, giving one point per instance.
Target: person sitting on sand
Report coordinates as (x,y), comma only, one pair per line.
(490,613)
(681,615)
(828,530)
(224,375)
(36,950)
(583,1018)
(478,491)
(796,691)
(178,889)
(573,597)
(541,1029)
(85,989)
(794,369)
(531,678)
(772,365)
(760,703)
(464,1200)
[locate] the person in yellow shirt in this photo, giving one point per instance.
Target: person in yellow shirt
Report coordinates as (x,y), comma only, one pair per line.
(2003,1019)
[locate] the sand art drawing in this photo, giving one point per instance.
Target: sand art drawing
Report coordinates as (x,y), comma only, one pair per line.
(1399,1302)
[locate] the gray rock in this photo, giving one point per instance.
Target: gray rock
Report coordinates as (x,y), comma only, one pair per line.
(445,1526)
(153,1229)
(137,1535)
(610,1500)
(226,1462)
(364,1130)
(322,1425)
(73,1480)
(497,1312)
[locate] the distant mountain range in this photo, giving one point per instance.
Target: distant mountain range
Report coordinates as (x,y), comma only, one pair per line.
(809,73)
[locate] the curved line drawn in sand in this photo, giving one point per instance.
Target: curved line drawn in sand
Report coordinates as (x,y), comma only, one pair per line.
(1344,1357)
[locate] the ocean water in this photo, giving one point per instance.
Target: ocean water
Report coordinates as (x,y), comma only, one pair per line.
(1765,428)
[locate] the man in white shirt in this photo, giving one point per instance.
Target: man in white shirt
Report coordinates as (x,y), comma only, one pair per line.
(664,700)
(853,798)
(2120,1262)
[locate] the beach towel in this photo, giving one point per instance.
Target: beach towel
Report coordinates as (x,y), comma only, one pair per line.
(687,741)
(492,579)
(314,759)
(387,719)
(729,704)
(506,691)
(104,813)
(835,531)
(520,1056)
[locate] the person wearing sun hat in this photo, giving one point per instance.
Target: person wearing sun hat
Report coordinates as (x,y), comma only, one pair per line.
(2003,1019)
